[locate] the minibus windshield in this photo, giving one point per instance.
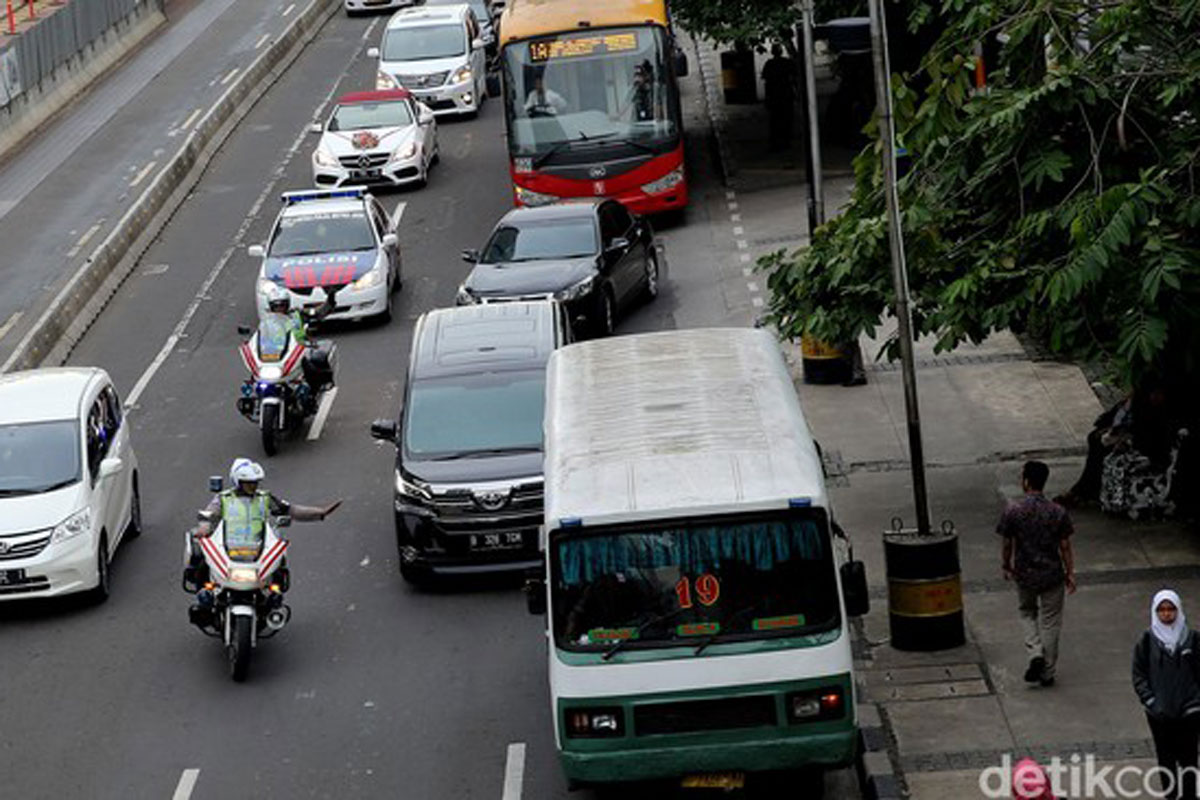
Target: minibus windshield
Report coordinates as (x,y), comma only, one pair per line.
(692,582)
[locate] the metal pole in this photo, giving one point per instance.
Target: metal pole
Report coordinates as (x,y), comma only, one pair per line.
(887,136)
(816,187)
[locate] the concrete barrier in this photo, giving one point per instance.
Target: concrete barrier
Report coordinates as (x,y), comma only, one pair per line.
(80,301)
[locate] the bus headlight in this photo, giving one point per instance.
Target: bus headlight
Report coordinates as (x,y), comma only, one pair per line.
(528,197)
(665,183)
(594,722)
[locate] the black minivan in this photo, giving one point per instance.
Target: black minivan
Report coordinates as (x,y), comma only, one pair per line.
(468,480)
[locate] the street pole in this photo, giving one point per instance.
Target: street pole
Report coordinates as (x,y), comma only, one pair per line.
(887,136)
(816,189)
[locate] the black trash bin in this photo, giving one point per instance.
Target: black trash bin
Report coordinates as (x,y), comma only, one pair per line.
(925,608)
(738,80)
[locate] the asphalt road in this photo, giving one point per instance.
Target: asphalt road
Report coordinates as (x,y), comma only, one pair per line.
(374,690)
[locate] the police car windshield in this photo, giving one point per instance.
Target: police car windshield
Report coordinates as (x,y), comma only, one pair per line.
(308,234)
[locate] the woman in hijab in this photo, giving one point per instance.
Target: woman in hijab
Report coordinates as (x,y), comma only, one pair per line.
(1166,677)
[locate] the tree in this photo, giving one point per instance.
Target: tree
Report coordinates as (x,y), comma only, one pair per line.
(1062,199)
(753,23)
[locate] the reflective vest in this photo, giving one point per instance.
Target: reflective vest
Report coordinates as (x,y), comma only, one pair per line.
(245,518)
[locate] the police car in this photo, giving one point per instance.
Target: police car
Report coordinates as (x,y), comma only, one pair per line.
(327,239)
(381,137)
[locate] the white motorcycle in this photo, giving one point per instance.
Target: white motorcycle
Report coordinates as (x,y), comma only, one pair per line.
(239,590)
(286,379)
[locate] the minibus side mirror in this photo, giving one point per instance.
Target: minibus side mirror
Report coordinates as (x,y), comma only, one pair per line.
(535,596)
(854,588)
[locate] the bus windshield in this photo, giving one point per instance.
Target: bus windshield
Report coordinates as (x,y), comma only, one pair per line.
(684,583)
(570,94)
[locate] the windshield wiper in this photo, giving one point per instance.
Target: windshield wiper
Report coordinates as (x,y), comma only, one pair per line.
(714,637)
(17,492)
(491,451)
(617,646)
(558,146)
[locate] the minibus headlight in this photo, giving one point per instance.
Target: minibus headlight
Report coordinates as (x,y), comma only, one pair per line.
(816,705)
(593,722)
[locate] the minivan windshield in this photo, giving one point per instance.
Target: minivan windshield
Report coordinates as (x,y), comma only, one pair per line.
(424,42)
(463,416)
(573,238)
(679,583)
(38,457)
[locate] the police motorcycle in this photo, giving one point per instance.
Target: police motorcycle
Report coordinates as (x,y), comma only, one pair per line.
(238,576)
(287,376)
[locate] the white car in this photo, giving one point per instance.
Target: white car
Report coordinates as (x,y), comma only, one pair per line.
(364,6)
(383,138)
(68,482)
(437,53)
(331,238)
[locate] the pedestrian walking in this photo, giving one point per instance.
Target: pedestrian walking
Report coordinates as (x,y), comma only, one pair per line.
(1037,555)
(1166,677)
(779,84)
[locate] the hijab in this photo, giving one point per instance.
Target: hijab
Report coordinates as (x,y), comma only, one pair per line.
(1169,636)
(1030,782)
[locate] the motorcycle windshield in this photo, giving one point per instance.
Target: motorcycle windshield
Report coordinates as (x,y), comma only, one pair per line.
(272,338)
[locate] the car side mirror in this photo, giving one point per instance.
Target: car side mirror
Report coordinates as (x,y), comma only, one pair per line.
(390,240)
(535,596)
(109,467)
(215,484)
(256,251)
(316,127)
(384,430)
(854,588)
(243,330)
(470,255)
(618,245)
(372,52)
(477,44)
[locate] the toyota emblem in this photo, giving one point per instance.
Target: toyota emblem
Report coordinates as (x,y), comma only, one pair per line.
(3,547)
(491,501)
(364,161)
(598,171)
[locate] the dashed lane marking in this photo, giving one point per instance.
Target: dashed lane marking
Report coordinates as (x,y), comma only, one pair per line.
(10,322)
(229,76)
(141,176)
(187,123)
(745,257)
(327,398)
(752,286)
(266,37)
(187,782)
(757,302)
(738,230)
(514,771)
(83,240)
(288,10)
(742,244)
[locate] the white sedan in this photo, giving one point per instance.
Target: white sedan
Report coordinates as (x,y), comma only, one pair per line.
(363,6)
(379,138)
(68,482)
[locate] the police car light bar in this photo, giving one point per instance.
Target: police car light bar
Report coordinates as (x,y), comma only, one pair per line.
(289,198)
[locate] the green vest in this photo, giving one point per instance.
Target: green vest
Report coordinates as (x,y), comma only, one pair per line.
(297,327)
(245,518)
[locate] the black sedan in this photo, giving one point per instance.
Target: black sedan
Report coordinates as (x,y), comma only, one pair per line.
(592,255)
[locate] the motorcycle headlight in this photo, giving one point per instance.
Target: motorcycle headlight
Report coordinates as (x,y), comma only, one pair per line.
(385,81)
(372,278)
(665,183)
(528,197)
(461,75)
(271,372)
(72,526)
(243,575)
(577,291)
(411,489)
(405,152)
(464,297)
(324,158)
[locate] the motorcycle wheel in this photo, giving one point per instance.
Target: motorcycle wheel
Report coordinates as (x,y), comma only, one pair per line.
(238,650)
(269,427)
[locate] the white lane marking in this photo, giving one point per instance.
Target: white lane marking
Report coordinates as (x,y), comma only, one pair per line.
(187,123)
(733,206)
(288,10)
(757,302)
(735,217)
(745,258)
(514,771)
(738,230)
(8,324)
(229,76)
(370,29)
(202,294)
(266,37)
(141,176)
(314,430)
(83,240)
(187,782)
(742,244)
(731,195)
(747,271)
(398,213)
(752,286)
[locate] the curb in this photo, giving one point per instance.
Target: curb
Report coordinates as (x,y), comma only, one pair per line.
(712,100)
(878,777)
(88,291)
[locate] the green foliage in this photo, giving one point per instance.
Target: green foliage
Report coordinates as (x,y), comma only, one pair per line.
(1063,199)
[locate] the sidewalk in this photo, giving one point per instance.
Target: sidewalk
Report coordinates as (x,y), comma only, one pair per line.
(948,716)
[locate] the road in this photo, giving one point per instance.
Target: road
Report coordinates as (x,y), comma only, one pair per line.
(374,690)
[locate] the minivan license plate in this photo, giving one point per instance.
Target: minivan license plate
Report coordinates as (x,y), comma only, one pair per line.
(497,541)
(8,577)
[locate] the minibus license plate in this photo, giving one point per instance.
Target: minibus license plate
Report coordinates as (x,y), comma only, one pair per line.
(715,780)
(510,540)
(9,577)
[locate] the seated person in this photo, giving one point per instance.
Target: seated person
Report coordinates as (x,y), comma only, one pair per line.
(543,101)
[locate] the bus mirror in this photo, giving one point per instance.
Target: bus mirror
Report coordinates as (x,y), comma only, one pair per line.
(854,588)
(535,596)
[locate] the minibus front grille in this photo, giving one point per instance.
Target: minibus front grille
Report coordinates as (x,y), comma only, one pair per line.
(755,711)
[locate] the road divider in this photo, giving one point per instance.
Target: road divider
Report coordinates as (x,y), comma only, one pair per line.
(71,312)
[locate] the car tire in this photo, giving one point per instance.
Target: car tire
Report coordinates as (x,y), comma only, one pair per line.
(606,314)
(386,315)
(650,292)
(436,158)
(103,586)
(134,528)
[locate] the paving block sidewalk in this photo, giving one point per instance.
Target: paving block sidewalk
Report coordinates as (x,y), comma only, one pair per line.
(949,716)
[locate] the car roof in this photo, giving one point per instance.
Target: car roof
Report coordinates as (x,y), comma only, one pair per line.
(51,393)
(572,209)
(493,337)
(423,15)
(376,96)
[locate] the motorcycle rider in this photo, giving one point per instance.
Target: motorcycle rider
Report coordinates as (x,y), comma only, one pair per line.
(295,321)
(245,508)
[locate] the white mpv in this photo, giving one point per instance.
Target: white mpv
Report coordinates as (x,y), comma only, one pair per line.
(68,482)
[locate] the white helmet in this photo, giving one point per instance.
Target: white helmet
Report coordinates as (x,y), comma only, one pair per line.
(245,470)
(278,298)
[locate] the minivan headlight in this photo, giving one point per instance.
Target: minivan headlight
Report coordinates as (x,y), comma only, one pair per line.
(462,74)
(464,297)
(577,291)
(411,489)
(385,81)
(72,526)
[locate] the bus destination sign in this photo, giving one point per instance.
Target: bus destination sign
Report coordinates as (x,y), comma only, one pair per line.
(579,46)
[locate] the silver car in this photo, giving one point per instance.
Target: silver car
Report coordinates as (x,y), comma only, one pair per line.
(366,6)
